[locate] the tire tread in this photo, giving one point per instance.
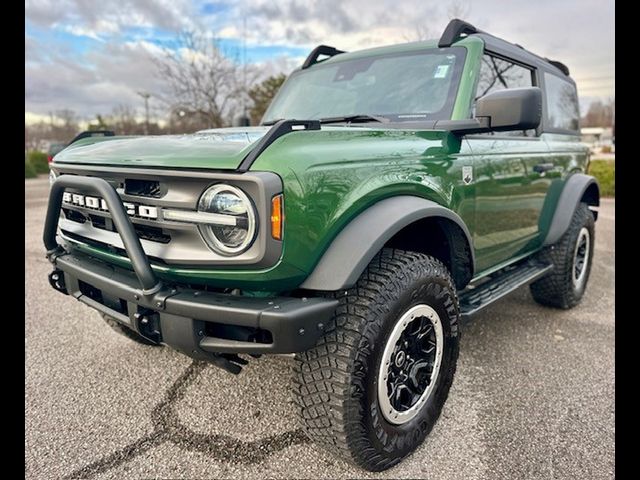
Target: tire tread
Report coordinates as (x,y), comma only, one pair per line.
(556,289)
(326,385)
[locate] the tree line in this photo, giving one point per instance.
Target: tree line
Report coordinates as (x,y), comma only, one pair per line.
(600,114)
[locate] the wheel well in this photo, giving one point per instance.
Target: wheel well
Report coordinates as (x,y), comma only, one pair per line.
(591,197)
(441,238)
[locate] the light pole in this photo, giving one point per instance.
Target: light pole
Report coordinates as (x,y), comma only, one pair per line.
(146,96)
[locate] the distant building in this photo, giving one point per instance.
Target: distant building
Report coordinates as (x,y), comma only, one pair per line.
(597,137)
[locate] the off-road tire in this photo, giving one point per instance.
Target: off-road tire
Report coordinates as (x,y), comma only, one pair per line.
(127,332)
(558,289)
(335,383)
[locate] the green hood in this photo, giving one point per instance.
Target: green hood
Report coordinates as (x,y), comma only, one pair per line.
(221,149)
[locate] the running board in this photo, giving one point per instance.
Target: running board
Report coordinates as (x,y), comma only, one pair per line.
(472,300)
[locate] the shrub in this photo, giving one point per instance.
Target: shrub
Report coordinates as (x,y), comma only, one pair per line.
(29,171)
(604,171)
(39,161)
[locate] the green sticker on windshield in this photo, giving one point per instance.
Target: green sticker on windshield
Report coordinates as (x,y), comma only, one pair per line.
(441,71)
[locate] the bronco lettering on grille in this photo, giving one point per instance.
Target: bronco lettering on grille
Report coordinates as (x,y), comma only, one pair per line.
(95,203)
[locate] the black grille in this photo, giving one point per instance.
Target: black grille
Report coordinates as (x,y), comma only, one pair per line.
(74,215)
(100,222)
(154,234)
(143,188)
(104,246)
(145,232)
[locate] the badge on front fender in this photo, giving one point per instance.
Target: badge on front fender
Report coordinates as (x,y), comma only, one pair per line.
(467,174)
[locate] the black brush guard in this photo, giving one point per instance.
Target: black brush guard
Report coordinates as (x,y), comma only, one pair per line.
(170,313)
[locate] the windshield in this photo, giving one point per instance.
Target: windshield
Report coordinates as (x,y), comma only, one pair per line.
(408,86)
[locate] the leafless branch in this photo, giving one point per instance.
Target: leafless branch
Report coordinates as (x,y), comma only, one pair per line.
(202,80)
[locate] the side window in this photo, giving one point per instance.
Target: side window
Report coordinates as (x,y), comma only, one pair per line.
(562,103)
(499,74)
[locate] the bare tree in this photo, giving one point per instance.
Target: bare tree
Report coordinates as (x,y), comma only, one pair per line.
(35,135)
(67,126)
(419,32)
(62,127)
(123,121)
(496,74)
(203,81)
(422,30)
(459,9)
(600,114)
(182,121)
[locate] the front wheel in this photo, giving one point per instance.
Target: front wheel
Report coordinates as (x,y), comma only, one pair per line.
(375,383)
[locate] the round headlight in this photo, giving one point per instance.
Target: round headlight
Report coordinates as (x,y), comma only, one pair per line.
(231,201)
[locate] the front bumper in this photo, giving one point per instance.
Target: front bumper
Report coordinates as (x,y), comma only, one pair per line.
(196,322)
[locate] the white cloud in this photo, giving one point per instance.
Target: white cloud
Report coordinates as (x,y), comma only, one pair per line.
(230,31)
(103,79)
(104,17)
(277,65)
(31,118)
(576,32)
(80,31)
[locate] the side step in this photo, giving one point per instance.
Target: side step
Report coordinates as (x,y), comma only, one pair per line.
(500,284)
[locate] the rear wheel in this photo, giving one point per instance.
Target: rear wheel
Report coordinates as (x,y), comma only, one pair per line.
(127,332)
(375,383)
(571,258)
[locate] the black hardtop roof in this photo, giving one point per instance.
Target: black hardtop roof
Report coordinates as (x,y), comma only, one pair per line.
(458,29)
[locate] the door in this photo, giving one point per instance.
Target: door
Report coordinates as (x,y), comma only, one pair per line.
(511,175)
(569,155)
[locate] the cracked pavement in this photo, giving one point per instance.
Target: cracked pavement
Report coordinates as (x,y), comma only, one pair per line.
(533,395)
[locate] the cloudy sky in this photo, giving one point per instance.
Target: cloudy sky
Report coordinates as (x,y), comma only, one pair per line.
(90,56)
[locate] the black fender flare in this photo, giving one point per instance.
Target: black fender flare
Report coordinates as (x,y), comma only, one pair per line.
(355,246)
(573,192)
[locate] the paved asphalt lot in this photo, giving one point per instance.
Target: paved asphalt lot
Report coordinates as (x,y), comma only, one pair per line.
(533,396)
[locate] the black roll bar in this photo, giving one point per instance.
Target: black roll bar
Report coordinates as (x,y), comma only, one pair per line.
(139,260)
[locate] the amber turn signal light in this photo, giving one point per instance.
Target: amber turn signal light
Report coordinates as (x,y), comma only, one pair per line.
(277,217)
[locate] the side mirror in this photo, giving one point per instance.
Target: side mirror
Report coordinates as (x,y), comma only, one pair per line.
(511,109)
(502,111)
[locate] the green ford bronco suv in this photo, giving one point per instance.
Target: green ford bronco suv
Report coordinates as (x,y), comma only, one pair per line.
(388,194)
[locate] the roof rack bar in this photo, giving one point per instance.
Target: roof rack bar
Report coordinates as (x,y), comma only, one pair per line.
(457,28)
(320,50)
(454,30)
(559,65)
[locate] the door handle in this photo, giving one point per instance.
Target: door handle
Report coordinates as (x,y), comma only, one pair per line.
(543,167)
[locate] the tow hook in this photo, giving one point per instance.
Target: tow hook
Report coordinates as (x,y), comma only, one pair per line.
(56,280)
(148,323)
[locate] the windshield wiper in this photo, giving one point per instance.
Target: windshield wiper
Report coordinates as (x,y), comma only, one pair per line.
(355,119)
(345,118)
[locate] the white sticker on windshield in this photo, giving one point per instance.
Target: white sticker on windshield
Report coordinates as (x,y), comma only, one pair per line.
(441,71)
